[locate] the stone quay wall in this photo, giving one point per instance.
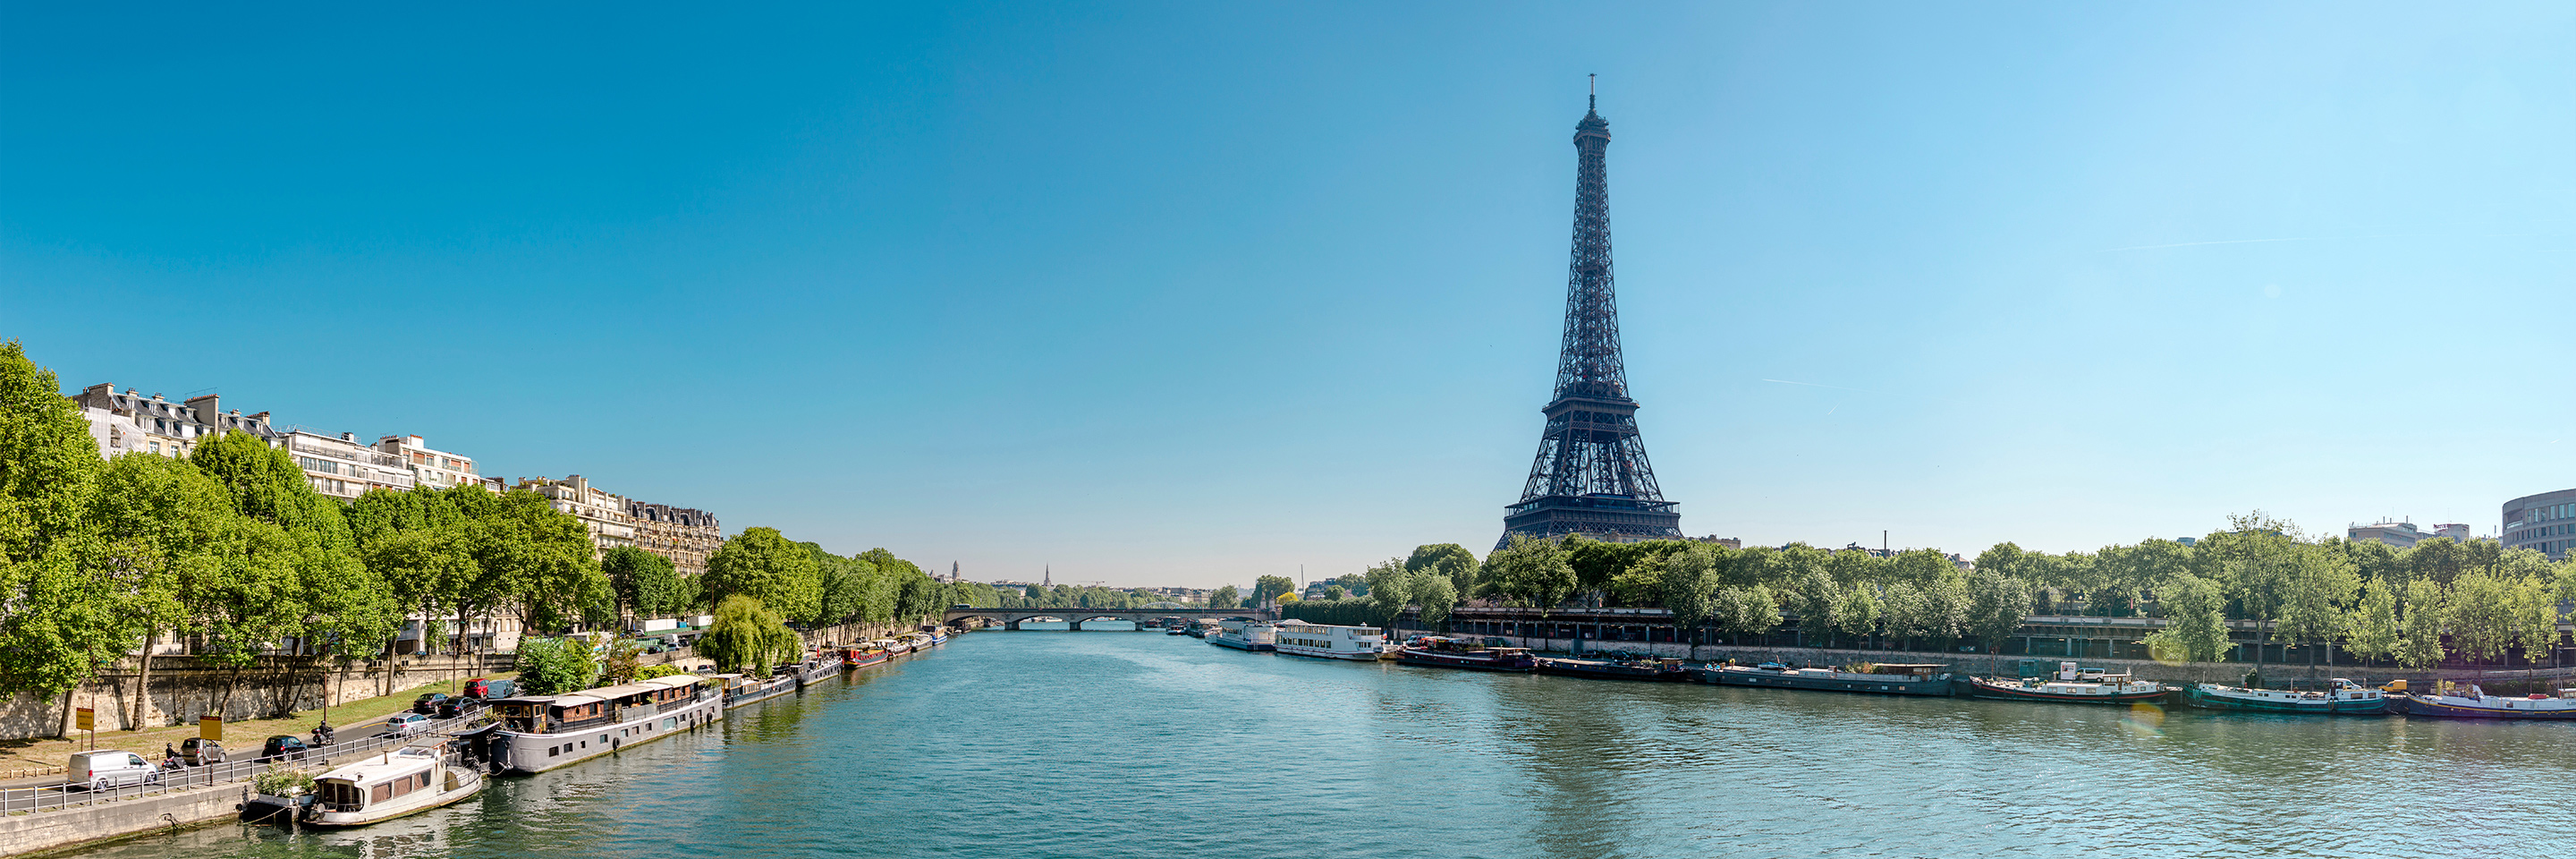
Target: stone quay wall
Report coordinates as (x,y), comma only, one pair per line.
(184,688)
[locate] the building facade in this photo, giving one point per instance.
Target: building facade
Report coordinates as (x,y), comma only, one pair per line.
(132,423)
(602,511)
(681,534)
(2545,522)
(436,469)
(342,467)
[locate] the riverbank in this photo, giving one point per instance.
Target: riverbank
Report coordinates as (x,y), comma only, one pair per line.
(30,763)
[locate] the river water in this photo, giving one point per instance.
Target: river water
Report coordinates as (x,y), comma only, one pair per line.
(1069,744)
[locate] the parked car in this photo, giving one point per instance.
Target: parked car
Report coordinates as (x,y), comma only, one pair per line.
(453,707)
(404,725)
(102,769)
(200,752)
(427,703)
(482,689)
(285,746)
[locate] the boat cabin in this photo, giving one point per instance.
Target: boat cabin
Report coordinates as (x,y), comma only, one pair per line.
(386,778)
(1918,670)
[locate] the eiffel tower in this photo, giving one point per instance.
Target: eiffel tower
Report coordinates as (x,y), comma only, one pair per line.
(1591,476)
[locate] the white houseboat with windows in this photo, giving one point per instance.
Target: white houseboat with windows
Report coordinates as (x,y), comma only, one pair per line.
(542,732)
(1245,634)
(743,690)
(1299,638)
(389,785)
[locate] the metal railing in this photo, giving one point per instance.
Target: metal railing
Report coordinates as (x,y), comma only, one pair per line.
(23,800)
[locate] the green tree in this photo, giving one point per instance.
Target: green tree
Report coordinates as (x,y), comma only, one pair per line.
(1745,611)
(1997,606)
(2195,611)
(2370,627)
(2318,586)
(1437,593)
(1446,559)
(2421,624)
(2481,615)
(1531,572)
(555,666)
(748,636)
(1267,589)
(1335,592)
(1813,598)
(647,585)
(1691,580)
(1390,590)
(2534,617)
(1857,613)
(760,564)
(1225,597)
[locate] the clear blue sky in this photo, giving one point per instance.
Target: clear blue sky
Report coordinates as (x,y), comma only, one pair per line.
(1187,293)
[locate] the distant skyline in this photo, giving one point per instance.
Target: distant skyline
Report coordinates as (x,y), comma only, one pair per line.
(1183,294)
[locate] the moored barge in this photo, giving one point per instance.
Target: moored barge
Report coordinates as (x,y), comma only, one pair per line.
(1925,679)
(1446,652)
(2072,685)
(1326,641)
(1615,669)
(542,732)
(1245,634)
(2471,702)
(2341,697)
(389,785)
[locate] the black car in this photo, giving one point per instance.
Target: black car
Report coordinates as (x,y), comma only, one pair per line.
(285,746)
(427,704)
(452,708)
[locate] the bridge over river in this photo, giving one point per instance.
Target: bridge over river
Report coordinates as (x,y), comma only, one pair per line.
(1010,618)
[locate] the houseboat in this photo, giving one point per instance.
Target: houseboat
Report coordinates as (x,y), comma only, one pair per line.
(868,655)
(1870,678)
(894,646)
(1245,634)
(936,633)
(2470,702)
(2072,685)
(1299,638)
(2341,697)
(1446,652)
(542,732)
(824,664)
(389,785)
(744,690)
(1616,669)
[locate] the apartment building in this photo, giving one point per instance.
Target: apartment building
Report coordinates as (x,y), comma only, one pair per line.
(602,511)
(684,535)
(133,423)
(436,469)
(341,466)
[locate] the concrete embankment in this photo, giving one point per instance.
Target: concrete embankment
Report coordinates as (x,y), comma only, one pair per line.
(31,833)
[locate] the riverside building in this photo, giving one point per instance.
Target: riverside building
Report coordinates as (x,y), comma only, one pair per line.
(340,466)
(436,469)
(132,423)
(681,534)
(602,511)
(2404,534)
(2545,522)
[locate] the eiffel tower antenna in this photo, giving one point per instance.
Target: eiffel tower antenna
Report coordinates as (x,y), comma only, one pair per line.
(1591,476)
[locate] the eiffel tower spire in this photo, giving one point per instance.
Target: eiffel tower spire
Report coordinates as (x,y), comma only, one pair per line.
(1591,476)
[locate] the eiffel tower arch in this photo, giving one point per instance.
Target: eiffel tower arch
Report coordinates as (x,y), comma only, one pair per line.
(1591,476)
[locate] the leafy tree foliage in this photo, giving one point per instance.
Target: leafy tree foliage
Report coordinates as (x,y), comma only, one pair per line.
(748,636)
(1268,588)
(1532,572)
(760,564)
(647,585)
(554,666)
(1225,597)
(1445,559)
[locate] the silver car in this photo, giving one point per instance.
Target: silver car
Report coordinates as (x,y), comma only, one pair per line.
(404,725)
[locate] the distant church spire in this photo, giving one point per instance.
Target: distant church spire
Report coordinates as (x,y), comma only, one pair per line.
(1049,581)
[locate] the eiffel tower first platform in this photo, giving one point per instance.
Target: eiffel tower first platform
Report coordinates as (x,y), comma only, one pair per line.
(1591,476)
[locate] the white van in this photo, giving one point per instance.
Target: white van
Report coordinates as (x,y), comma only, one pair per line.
(100,770)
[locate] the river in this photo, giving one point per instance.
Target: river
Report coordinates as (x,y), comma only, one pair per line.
(1073,744)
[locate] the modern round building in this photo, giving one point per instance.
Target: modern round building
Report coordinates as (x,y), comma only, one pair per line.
(2546,522)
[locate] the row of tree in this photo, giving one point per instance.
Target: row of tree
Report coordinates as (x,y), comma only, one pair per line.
(2418,606)
(232,550)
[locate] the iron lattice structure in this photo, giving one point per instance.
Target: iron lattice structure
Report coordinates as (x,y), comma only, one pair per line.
(1591,476)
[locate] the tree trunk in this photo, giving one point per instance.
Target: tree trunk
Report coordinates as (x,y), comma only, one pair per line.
(142,686)
(65,723)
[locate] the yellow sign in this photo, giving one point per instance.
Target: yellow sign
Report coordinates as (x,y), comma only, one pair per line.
(87,720)
(210,728)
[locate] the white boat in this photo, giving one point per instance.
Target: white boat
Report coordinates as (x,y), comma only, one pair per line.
(1245,634)
(389,785)
(1299,638)
(742,690)
(542,732)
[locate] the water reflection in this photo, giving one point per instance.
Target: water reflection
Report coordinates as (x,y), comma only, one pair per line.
(1149,745)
